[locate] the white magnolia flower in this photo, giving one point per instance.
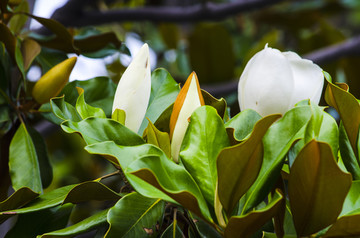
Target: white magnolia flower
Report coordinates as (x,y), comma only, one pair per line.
(133,91)
(274,81)
(187,101)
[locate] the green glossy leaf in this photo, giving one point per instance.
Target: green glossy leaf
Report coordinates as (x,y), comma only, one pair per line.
(32,224)
(172,231)
(94,130)
(44,201)
(19,59)
(90,190)
(63,110)
(123,156)
(218,104)
(326,131)
(100,92)
(246,225)
(83,226)
(164,91)
(46,172)
(23,161)
(142,215)
(85,110)
(119,116)
(277,142)
(316,197)
(158,138)
(348,108)
(204,139)
(243,123)
(239,165)
(19,198)
(352,200)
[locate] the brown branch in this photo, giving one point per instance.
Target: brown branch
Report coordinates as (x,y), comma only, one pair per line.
(200,12)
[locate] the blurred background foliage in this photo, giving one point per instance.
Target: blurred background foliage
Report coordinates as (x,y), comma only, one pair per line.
(217,50)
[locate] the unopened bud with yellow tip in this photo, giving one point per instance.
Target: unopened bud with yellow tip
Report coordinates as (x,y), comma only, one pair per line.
(187,101)
(53,81)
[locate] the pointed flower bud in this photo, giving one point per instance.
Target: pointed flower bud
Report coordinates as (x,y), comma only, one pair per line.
(274,81)
(53,81)
(133,91)
(187,101)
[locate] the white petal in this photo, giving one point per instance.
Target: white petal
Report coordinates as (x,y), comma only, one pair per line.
(266,84)
(191,102)
(133,91)
(309,80)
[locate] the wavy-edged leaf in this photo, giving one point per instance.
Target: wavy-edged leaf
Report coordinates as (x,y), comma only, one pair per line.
(135,216)
(83,226)
(218,104)
(164,91)
(100,92)
(94,130)
(316,195)
(90,190)
(84,109)
(246,225)
(150,164)
(64,110)
(173,180)
(23,161)
(123,156)
(347,106)
(239,165)
(277,142)
(243,123)
(205,137)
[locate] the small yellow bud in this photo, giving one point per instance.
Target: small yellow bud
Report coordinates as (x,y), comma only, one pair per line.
(53,81)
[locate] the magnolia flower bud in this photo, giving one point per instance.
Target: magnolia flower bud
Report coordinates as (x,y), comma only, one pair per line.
(133,91)
(53,81)
(274,81)
(187,101)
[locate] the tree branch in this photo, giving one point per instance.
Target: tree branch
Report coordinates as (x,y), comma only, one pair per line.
(350,47)
(200,12)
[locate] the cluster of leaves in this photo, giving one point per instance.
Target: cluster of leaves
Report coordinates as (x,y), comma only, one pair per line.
(279,176)
(289,176)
